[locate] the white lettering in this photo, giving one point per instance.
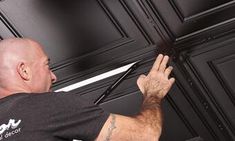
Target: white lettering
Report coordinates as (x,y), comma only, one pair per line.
(11,133)
(11,124)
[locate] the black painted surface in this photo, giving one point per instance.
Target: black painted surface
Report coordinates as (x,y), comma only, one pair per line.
(88,37)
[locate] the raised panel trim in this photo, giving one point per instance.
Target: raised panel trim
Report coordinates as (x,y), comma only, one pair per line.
(9,26)
(193,37)
(203,92)
(207,104)
(155,18)
(208,29)
(201,14)
(111,17)
(214,66)
(204,101)
(136,22)
(197,111)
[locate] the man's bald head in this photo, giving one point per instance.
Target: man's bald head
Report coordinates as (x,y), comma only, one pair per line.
(20,60)
(18,48)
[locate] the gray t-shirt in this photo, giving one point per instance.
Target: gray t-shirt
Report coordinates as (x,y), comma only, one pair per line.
(49,117)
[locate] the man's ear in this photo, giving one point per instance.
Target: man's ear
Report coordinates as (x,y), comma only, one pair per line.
(24,71)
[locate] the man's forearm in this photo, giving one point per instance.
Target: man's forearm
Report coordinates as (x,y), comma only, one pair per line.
(151,114)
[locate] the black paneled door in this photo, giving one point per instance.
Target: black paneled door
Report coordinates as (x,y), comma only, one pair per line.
(85,38)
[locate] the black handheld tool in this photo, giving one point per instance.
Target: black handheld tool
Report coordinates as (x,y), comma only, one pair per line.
(116,83)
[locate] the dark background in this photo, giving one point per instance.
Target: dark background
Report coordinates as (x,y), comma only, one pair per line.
(85,38)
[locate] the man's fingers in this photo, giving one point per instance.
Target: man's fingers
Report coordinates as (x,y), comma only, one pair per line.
(163,64)
(157,63)
(168,71)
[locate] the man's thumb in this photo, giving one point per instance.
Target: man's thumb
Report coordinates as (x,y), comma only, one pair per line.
(140,82)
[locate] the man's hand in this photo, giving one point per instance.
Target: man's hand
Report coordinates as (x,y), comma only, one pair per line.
(157,83)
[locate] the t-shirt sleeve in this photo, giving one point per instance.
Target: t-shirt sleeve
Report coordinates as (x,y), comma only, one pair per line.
(69,116)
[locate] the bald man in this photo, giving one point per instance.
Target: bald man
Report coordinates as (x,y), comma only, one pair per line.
(30,112)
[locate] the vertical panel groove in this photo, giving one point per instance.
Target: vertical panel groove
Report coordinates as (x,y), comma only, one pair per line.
(206,104)
(149,40)
(9,25)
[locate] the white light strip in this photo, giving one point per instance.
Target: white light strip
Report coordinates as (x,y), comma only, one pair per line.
(95,78)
